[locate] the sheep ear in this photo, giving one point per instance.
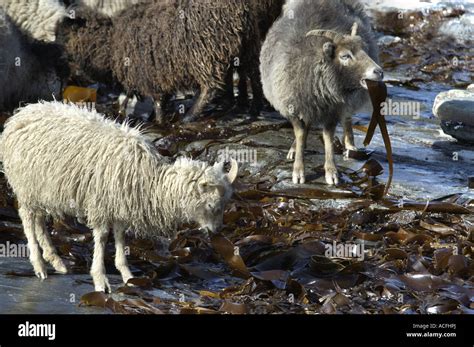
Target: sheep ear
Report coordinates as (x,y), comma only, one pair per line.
(329,49)
(234,171)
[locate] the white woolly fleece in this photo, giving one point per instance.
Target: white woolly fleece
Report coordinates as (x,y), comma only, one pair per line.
(37,18)
(108,7)
(65,160)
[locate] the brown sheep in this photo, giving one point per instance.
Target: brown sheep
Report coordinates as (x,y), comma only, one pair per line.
(158,48)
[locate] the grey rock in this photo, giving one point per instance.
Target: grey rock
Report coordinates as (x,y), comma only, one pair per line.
(388,40)
(455,110)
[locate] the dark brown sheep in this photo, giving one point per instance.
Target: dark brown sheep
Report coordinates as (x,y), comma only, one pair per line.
(87,42)
(266,13)
(158,48)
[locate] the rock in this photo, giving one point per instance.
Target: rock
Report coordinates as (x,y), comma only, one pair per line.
(388,40)
(461,132)
(460,29)
(471,88)
(455,109)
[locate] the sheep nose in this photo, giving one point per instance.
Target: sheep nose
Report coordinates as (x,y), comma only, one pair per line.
(379,72)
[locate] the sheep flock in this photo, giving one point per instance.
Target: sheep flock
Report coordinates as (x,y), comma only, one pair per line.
(63,160)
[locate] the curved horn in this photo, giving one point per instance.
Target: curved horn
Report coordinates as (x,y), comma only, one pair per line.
(234,171)
(355,27)
(329,34)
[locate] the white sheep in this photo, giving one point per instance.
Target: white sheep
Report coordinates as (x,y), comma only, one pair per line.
(108,7)
(63,160)
(36,18)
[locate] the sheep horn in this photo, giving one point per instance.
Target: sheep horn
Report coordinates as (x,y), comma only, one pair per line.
(355,27)
(330,34)
(234,171)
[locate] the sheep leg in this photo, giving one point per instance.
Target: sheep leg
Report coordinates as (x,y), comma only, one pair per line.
(101,283)
(120,258)
(252,54)
(123,106)
(160,107)
(243,98)
(292,153)
(300,130)
(349,135)
(229,86)
(49,253)
(202,100)
(332,177)
(28,219)
(257,93)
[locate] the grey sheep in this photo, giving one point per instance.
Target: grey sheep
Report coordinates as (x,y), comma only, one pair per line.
(27,73)
(314,64)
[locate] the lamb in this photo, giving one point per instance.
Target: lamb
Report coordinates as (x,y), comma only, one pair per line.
(63,160)
(314,64)
(159,48)
(29,70)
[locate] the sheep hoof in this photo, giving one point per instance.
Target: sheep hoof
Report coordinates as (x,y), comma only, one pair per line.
(298,175)
(291,154)
(126,279)
(332,177)
(41,274)
(101,284)
(59,266)
(351,148)
(40,269)
(103,287)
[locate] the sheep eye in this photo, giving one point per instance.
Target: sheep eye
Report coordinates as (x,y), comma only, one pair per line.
(346,57)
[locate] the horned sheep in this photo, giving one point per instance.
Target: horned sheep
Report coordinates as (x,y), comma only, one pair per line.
(314,64)
(63,160)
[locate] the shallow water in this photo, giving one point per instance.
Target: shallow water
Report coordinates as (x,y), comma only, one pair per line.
(28,295)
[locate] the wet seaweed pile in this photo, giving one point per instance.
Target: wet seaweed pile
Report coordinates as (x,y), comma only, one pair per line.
(421,51)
